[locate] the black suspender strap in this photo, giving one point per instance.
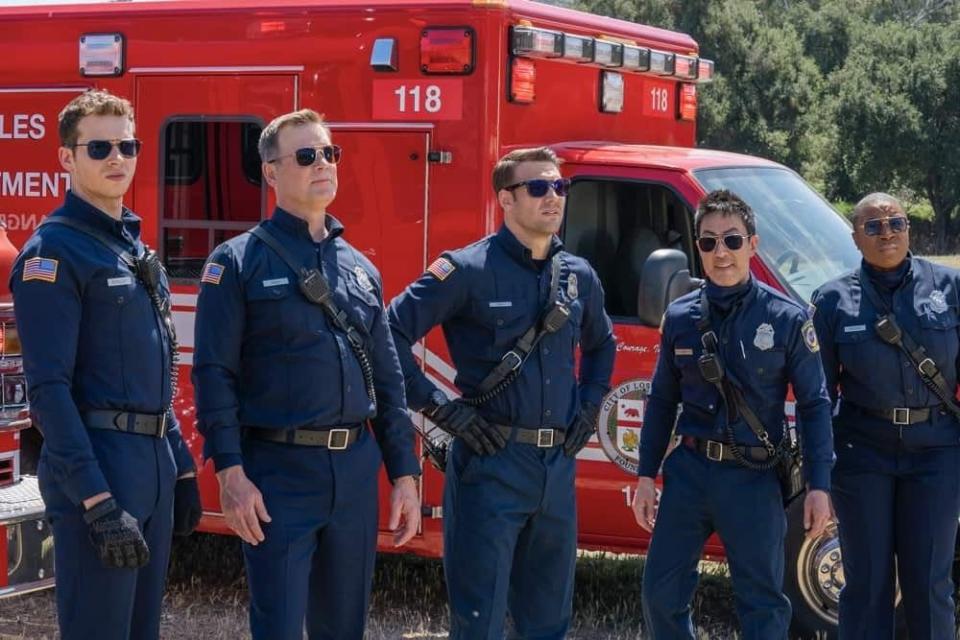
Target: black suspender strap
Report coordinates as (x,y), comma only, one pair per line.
(550,320)
(890,332)
(148,270)
(111,243)
(316,289)
(712,370)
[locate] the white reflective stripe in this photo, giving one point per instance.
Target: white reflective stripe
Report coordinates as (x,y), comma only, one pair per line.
(186,357)
(184,299)
(441,367)
(183,321)
(589,453)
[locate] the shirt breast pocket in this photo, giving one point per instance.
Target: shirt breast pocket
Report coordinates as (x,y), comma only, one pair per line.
(124,325)
(768,365)
(364,305)
(858,351)
(272,310)
(940,337)
(505,320)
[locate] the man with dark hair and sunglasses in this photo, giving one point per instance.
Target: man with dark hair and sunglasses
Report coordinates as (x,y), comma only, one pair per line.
(293,363)
(891,354)
(514,307)
(93,310)
(722,475)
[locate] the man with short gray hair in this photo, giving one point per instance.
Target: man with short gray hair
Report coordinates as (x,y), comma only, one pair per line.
(293,363)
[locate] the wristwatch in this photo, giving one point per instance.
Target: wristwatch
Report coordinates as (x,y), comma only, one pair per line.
(436,400)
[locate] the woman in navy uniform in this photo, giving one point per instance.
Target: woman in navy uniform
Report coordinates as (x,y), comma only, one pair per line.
(897,478)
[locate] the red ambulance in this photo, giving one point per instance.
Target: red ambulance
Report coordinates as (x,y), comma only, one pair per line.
(423,96)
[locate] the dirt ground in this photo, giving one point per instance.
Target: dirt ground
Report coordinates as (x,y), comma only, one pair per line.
(207,599)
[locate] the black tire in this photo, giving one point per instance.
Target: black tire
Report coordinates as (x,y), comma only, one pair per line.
(816,601)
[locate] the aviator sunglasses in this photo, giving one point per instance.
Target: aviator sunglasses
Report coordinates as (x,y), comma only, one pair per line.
(897,224)
(538,188)
(307,156)
(101,149)
(733,241)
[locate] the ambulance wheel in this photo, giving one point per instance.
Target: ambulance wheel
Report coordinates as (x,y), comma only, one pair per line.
(813,578)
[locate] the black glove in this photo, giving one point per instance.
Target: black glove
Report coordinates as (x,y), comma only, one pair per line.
(115,534)
(462,421)
(186,506)
(584,426)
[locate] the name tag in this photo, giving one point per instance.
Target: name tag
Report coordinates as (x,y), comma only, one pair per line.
(855,328)
(276,282)
(497,305)
(683,352)
(120,281)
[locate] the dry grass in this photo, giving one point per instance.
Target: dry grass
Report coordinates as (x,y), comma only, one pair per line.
(206,598)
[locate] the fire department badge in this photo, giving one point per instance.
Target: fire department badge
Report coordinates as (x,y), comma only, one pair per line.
(938,301)
(764,338)
(572,290)
(621,418)
(363,279)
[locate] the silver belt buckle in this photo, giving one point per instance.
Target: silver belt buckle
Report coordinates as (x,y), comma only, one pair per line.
(544,438)
(714,450)
(901,415)
(162,431)
(334,441)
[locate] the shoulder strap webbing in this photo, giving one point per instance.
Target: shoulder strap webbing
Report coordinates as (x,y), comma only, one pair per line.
(890,332)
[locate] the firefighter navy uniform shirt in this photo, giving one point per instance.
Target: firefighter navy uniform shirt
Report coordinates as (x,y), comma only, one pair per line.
(267,357)
(91,340)
(866,372)
(485,296)
(765,342)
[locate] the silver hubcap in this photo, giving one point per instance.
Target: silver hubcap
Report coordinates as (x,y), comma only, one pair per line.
(820,573)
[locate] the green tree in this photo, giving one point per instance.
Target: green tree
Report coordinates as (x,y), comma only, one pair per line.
(898,115)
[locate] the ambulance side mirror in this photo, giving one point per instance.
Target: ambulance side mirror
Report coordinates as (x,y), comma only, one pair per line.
(665,278)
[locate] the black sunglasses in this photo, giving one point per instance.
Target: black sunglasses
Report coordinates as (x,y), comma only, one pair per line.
(538,188)
(101,149)
(898,224)
(733,241)
(307,156)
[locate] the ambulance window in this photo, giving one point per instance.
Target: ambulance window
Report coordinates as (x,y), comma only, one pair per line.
(616,225)
(212,188)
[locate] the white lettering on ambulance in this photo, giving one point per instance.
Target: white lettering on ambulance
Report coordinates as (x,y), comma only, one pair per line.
(22,126)
(21,221)
(33,184)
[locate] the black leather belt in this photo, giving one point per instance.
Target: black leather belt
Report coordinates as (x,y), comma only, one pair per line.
(334,438)
(543,438)
(723,452)
(899,416)
(146,424)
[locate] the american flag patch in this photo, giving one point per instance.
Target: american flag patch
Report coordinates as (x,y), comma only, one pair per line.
(212,273)
(441,268)
(44,269)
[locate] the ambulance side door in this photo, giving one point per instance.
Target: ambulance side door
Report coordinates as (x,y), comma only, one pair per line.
(198,183)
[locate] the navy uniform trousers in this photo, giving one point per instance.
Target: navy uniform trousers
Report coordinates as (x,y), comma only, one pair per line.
(510,517)
(92,600)
(745,507)
(317,558)
(897,510)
